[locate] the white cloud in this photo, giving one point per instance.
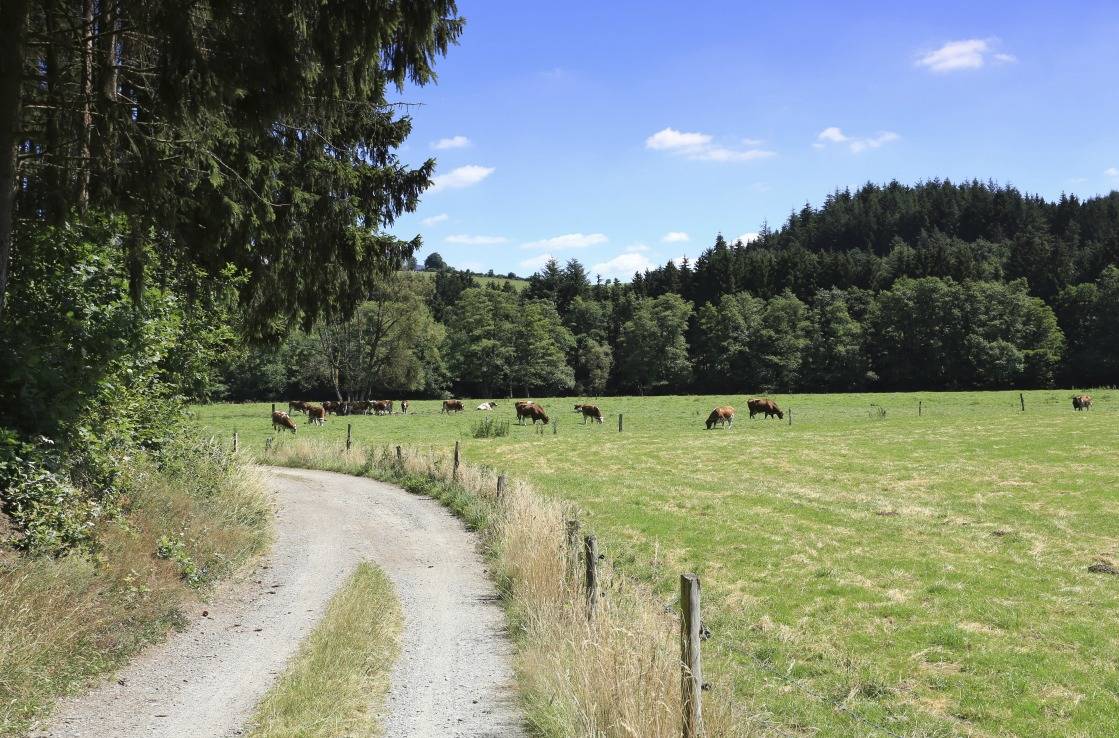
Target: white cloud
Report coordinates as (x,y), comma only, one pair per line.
(462,238)
(752,142)
(679,260)
(623,265)
(698,146)
(670,138)
(454,142)
(1111,172)
(536,262)
(435,220)
(747,237)
(857,144)
(675,237)
(471,174)
(970,53)
(567,241)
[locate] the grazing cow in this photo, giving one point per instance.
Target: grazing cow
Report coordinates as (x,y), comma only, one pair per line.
(531,410)
(281,421)
(724,416)
(452,406)
(316,414)
(403,407)
(486,406)
(363,407)
(589,412)
(765,405)
(382,407)
(297,406)
(330,406)
(1082,402)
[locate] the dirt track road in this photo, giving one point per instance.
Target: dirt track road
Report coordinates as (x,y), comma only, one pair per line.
(453,677)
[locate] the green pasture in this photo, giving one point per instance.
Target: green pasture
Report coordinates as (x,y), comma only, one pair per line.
(863,574)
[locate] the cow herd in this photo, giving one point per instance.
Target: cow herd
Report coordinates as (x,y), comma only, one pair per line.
(526,411)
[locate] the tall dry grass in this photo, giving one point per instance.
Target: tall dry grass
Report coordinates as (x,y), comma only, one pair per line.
(65,620)
(618,675)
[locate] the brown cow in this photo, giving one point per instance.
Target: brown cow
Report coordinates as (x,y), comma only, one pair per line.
(589,412)
(765,405)
(531,410)
(724,416)
(281,420)
(403,407)
(316,414)
(1082,402)
(297,406)
(382,407)
(364,407)
(452,406)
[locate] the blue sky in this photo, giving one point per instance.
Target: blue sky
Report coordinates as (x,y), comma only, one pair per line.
(625,134)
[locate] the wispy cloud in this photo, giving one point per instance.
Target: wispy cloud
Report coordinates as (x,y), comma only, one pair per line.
(623,266)
(857,144)
(1111,172)
(636,248)
(955,56)
(700,146)
(675,237)
(462,238)
(536,262)
(454,142)
(567,241)
(435,220)
(466,176)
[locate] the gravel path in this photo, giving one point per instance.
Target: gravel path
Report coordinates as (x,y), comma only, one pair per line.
(452,679)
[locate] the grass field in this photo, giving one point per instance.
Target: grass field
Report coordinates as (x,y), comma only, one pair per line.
(518,284)
(863,575)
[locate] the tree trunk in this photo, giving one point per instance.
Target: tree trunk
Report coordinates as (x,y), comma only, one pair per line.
(87,105)
(12,32)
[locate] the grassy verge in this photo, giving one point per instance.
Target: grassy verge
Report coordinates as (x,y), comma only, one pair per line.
(338,681)
(65,620)
(617,676)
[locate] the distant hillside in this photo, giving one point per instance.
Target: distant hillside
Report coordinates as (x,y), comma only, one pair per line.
(518,282)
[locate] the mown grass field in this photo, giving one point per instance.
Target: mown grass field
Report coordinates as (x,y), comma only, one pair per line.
(862,575)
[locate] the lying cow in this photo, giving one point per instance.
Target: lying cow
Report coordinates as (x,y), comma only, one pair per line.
(1082,402)
(765,405)
(486,406)
(589,412)
(282,421)
(723,416)
(452,406)
(316,414)
(533,411)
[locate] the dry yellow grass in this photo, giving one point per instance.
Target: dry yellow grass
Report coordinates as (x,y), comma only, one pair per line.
(616,676)
(336,684)
(65,620)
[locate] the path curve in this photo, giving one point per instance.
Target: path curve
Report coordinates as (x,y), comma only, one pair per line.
(454,674)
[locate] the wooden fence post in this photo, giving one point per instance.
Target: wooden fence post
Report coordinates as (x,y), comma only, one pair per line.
(1022,400)
(454,472)
(691,670)
(555,426)
(920,407)
(590,549)
(790,416)
(572,549)
(234,441)
(349,435)
(273,407)
(399,458)
(619,422)
(500,486)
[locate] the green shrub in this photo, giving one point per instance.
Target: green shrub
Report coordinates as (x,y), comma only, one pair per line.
(490,428)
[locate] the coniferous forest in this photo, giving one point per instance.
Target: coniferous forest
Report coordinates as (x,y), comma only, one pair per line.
(896,287)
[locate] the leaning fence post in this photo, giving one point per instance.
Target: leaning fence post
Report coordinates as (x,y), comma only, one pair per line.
(590,544)
(691,680)
(619,422)
(454,472)
(349,435)
(500,486)
(1022,400)
(234,441)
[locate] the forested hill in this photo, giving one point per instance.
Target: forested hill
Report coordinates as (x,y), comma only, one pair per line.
(934,286)
(869,238)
